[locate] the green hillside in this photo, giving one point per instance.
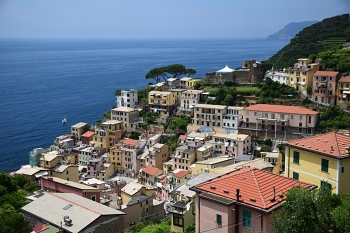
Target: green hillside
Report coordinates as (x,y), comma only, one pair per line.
(327,34)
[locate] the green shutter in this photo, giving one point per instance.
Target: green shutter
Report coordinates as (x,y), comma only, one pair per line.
(247,219)
(296,157)
(324,165)
(218,219)
(295,176)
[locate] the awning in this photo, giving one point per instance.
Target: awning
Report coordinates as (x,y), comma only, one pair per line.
(346,92)
(40,174)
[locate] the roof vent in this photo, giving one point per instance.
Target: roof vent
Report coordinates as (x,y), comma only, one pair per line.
(309,146)
(67,221)
(280,195)
(226,191)
(212,187)
(318,139)
(253,199)
(316,148)
(302,144)
(296,143)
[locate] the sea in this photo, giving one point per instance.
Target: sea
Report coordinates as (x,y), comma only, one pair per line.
(43,81)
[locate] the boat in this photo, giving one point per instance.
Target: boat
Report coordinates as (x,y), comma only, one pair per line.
(64,121)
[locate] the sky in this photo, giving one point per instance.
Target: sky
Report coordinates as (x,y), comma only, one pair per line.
(126,19)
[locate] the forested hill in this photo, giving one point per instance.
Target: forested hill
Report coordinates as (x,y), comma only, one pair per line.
(329,33)
(290,30)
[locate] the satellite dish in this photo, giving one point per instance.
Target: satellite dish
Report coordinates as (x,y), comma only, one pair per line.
(254,65)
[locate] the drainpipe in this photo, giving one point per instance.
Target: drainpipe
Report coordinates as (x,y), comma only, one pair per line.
(199,212)
(237,212)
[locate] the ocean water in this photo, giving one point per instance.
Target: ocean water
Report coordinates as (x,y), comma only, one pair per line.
(43,81)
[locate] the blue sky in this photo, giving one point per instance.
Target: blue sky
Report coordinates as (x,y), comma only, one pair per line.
(158,18)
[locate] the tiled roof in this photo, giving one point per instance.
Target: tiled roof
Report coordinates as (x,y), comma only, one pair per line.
(88,134)
(326,73)
(256,187)
(280,109)
(345,79)
(181,174)
(130,142)
(330,144)
(150,170)
(182,137)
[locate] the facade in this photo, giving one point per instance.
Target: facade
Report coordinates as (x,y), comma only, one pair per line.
(85,155)
(115,156)
(87,137)
(275,159)
(129,117)
(108,133)
(277,76)
(127,98)
(189,99)
(162,102)
(232,119)
(208,115)
(231,144)
(93,167)
(183,158)
(321,160)
(301,74)
(241,201)
(158,154)
(324,87)
(173,82)
(77,130)
(278,121)
(211,163)
(148,175)
(129,156)
(343,92)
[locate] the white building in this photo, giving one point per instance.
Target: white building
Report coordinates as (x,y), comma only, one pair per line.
(232,119)
(127,98)
(277,76)
(85,155)
(189,99)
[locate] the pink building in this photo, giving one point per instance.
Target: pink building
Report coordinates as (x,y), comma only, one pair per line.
(93,166)
(241,201)
(324,87)
(58,185)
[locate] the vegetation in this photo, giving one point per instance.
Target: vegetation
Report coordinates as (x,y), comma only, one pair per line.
(313,211)
(174,70)
(143,95)
(13,191)
(335,59)
(333,118)
(179,122)
(327,34)
(86,128)
(190,228)
(151,226)
(134,135)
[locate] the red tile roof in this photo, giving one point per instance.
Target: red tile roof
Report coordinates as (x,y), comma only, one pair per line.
(345,79)
(181,174)
(88,134)
(182,137)
(130,142)
(163,180)
(326,73)
(280,109)
(330,144)
(150,170)
(256,187)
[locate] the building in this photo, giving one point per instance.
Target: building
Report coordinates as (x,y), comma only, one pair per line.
(230,144)
(241,201)
(87,137)
(58,185)
(162,101)
(320,160)
(183,158)
(85,155)
(173,82)
(301,74)
(277,76)
(207,117)
(158,154)
(148,175)
(73,213)
(324,87)
(77,130)
(132,189)
(129,152)
(257,163)
(232,119)
(108,133)
(275,159)
(189,99)
(33,173)
(189,83)
(278,121)
(343,92)
(212,163)
(129,117)
(127,98)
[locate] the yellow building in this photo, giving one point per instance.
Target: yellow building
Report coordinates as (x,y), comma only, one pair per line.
(275,159)
(301,74)
(134,189)
(320,160)
(162,101)
(208,115)
(108,133)
(115,156)
(210,164)
(343,92)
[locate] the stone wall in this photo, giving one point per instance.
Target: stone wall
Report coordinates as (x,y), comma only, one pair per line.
(106,224)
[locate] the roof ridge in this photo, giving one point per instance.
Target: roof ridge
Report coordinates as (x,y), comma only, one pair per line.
(75,203)
(258,187)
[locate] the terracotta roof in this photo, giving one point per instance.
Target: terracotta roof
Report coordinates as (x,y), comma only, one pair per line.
(88,134)
(130,142)
(163,180)
(330,144)
(345,79)
(181,174)
(150,170)
(280,109)
(256,187)
(326,73)
(182,137)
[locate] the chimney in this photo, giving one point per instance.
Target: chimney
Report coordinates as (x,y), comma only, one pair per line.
(237,194)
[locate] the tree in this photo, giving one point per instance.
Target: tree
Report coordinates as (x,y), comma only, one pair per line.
(86,128)
(13,223)
(176,70)
(135,135)
(309,90)
(118,92)
(156,74)
(190,72)
(190,228)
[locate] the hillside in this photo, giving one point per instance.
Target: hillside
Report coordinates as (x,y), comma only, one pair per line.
(290,30)
(319,37)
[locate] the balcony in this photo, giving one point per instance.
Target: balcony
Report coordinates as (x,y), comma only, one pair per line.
(180,207)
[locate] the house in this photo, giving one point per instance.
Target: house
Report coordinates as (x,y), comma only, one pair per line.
(211,163)
(77,130)
(178,93)
(58,185)
(94,165)
(148,175)
(257,163)
(183,158)
(320,160)
(189,99)
(301,74)
(33,173)
(275,159)
(87,137)
(343,92)
(172,82)
(278,121)
(127,98)
(189,83)
(132,189)
(162,101)
(115,157)
(277,76)
(195,140)
(108,133)
(158,154)
(128,116)
(324,87)
(241,201)
(232,119)
(129,152)
(73,213)
(85,155)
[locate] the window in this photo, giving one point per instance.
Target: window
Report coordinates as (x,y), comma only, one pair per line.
(295,176)
(254,113)
(291,117)
(218,219)
(178,220)
(300,117)
(84,193)
(309,119)
(93,198)
(342,169)
(296,156)
(324,165)
(247,219)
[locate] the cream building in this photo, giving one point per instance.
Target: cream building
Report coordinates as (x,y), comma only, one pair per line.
(108,133)
(162,101)
(230,144)
(129,117)
(77,130)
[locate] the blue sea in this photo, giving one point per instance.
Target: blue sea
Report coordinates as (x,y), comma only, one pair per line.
(43,81)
